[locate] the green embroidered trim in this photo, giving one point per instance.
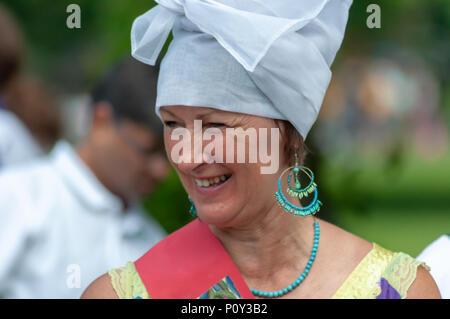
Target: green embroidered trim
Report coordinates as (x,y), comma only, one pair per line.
(127,283)
(401,272)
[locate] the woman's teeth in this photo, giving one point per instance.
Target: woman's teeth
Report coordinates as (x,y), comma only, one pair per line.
(212,181)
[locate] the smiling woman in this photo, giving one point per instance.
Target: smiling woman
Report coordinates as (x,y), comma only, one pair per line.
(243,244)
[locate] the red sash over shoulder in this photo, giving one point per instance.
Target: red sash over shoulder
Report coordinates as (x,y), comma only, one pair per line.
(188,263)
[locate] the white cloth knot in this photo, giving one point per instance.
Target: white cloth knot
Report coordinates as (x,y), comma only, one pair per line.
(246,30)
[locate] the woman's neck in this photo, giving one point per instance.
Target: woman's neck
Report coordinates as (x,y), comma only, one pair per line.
(275,246)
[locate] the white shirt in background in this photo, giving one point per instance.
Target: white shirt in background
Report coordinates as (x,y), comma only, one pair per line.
(437,256)
(17,145)
(60,228)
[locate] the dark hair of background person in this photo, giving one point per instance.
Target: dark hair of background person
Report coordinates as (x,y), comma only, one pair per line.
(27,97)
(130,89)
(34,103)
(11,48)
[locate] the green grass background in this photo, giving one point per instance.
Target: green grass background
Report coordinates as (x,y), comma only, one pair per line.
(402,208)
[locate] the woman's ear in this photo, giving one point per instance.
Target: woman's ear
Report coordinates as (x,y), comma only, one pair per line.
(102,114)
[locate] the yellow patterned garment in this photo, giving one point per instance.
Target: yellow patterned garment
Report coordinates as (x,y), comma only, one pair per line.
(396,270)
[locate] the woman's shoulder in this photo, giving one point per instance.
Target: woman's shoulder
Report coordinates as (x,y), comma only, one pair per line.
(380,272)
(100,288)
(404,276)
(424,286)
(118,283)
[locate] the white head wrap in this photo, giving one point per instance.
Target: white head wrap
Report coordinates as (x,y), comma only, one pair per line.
(266,58)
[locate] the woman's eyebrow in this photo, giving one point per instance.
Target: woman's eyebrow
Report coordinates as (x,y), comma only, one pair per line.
(199,116)
(206,115)
(168,112)
(216,116)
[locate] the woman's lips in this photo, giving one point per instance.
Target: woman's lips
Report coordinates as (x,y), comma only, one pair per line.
(214,188)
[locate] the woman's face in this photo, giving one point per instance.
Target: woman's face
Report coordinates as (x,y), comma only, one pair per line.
(230,193)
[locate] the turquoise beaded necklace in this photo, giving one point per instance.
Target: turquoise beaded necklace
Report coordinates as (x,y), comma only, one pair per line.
(302,277)
(297,282)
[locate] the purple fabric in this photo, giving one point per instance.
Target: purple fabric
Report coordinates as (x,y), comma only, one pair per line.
(387,291)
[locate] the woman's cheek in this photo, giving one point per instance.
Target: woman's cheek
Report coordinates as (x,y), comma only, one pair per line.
(168,145)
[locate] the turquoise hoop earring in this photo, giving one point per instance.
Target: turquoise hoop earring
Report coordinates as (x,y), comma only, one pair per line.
(298,192)
(192,210)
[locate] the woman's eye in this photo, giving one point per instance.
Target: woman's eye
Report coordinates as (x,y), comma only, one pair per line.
(218,125)
(170,124)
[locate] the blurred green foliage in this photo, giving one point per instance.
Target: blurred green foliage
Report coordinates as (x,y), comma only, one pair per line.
(73,59)
(404,208)
(419,26)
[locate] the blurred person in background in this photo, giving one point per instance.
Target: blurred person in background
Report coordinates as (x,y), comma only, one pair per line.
(35,105)
(29,117)
(16,142)
(437,256)
(68,217)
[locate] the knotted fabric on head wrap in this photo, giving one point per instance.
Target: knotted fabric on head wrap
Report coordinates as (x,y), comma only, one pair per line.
(260,57)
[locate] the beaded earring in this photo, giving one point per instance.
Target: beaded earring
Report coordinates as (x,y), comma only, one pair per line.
(297,191)
(192,210)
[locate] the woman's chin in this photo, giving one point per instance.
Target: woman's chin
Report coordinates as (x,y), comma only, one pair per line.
(216,216)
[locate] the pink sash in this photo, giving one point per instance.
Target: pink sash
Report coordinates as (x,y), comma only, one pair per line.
(187,263)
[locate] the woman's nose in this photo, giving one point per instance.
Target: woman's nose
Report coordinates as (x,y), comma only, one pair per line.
(188,152)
